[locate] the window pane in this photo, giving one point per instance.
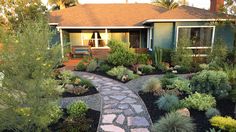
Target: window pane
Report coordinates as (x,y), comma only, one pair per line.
(199,36)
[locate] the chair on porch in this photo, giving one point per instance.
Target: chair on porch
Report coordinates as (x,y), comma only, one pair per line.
(80,50)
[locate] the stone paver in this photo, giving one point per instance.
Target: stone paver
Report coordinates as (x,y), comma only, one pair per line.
(108,118)
(112,128)
(140,130)
(122,109)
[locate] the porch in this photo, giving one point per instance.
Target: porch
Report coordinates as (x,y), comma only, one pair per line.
(95,41)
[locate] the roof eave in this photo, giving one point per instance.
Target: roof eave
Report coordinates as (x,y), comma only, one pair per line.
(102,27)
(184,20)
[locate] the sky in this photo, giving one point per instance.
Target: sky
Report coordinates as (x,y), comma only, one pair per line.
(197,3)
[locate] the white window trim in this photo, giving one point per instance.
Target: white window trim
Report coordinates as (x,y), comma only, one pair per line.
(206,47)
(149,38)
(212,40)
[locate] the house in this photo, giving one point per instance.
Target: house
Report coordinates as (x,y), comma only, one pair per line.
(144,26)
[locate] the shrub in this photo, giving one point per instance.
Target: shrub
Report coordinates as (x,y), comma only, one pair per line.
(204,66)
(81,66)
(219,52)
(183,56)
(183,69)
(153,85)
(230,70)
(77,109)
(120,72)
(168,79)
(142,58)
(224,123)
(121,54)
(104,67)
(174,122)
(211,82)
(146,69)
(85,82)
(199,101)
(56,113)
(66,76)
(92,66)
(168,102)
(182,85)
(161,67)
(212,112)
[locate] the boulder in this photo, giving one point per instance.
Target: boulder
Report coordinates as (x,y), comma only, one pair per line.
(184,112)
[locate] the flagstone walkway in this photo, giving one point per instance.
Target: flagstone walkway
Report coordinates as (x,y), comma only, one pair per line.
(122,109)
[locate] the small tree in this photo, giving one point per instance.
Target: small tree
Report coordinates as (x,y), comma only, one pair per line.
(183,56)
(28,95)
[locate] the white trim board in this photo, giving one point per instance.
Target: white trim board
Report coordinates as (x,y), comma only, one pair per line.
(185,20)
(51,24)
(105,27)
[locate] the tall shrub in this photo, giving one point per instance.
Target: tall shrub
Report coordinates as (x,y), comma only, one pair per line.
(183,56)
(28,97)
(121,54)
(219,52)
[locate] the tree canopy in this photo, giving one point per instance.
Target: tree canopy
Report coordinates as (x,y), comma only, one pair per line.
(169,4)
(61,4)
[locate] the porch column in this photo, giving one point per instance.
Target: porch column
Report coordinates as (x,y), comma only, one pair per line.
(106,36)
(96,39)
(148,38)
(62,45)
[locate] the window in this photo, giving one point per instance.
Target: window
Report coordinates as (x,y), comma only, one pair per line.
(201,38)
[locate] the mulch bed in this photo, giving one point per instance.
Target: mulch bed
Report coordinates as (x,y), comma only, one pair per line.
(91,121)
(91,91)
(225,106)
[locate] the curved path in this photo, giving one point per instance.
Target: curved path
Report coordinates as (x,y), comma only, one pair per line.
(122,109)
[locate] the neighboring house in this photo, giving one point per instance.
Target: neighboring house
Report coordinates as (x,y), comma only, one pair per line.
(143,26)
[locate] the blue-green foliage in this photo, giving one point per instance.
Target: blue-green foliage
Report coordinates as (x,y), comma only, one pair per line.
(212,112)
(211,82)
(174,122)
(168,102)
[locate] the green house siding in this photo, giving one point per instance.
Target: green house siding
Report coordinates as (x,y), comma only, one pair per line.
(226,33)
(163,35)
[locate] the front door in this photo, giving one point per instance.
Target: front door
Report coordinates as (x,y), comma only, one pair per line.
(134,39)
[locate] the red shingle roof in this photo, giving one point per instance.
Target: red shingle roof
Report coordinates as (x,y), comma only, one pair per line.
(105,15)
(95,15)
(187,12)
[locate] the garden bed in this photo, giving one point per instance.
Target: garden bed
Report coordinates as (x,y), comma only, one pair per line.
(87,124)
(225,106)
(90,91)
